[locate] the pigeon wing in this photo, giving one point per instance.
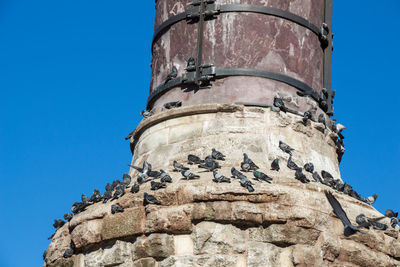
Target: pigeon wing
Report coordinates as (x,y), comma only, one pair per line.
(337,209)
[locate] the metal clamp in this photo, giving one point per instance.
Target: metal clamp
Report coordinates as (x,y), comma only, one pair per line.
(211,9)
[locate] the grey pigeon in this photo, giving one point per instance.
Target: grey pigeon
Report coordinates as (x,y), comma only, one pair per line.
(278,102)
(135,188)
(172,75)
(285,148)
(371,199)
(142,178)
(291,164)
(157,185)
(246,183)
(349,228)
(178,166)
(299,175)
(174,104)
(217,155)
(146,113)
(260,176)
(116,208)
(193,159)
(85,199)
(378,225)
(338,185)
(107,196)
(247,164)
(68,253)
(96,196)
(316,177)
(58,223)
(321,119)
(108,187)
(219,178)
(210,164)
(235,173)
(77,207)
(165,177)
(307,116)
(126,180)
(394,221)
(119,192)
(309,167)
(188,175)
(191,64)
(68,217)
(327,176)
(390,213)
(114,184)
(362,221)
(275,165)
(150,199)
(154,174)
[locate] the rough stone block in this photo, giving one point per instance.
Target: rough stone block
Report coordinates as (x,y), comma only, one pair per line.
(153,141)
(202,261)
(213,238)
(304,256)
(86,233)
(183,245)
(246,213)
(158,246)
(128,223)
(185,131)
(112,255)
(170,220)
(145,262)
(95,211)
(263,254)
(60,242)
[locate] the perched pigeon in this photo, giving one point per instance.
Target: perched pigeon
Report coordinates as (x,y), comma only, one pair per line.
(126,180)
(146,113)
(285,148)
(278,102)
(299,175)
(150,199)
(85,199)
(390,213)
(371,199)
(154,174)
(192,159)
(219,178)
(338,185)
(307,116)
(77,207)
(146,167)
(96,196)
(119,192)
(107,196)
(246,183)
(291,164)
(316,177)
(349,229)
(58,223)
(328,178)
(172,75)
(179,167)
(378,225)
(174,104)
(210,164)
(116,208)
(142,178)
(362,221)
(321,119)
(217,155)
(309,167)
(68,253)
(187,175)
(135,188)
(114,184)
(165,177)
(235,173)
(247,164)
(157,185)
(191,64)
(262,176)
(275,165)
(394,221)
(68,217)
(108,187)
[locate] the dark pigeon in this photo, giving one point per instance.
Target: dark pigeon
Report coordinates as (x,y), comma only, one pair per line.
(114,184)
(291,164)
(58,223)
(193,159)
(142,178)
(165,177)
(285,148)
(210,164)
(321,119)
(150,199)
(327,178)
(362,221)
(157,185)
(85,199)
(316,177)
(44,255)
(96,196)
(135,188)
(390,213)
(191,64)
(178,166)
(219,178)
(299,175)
(175,104)
(371,199)
(154,174)
(217,155)
(126,180)
(116,208)
(107,196)
(307,116)
(349,228)
(146,113)
(246,183)
(68,217)
(119,192)
(247,164)
(172,75)
(278,102)
(309,167)
(188,175)
(275,165)
(235,173)
(108,187)
(260,176)
(68,253)
(378,225)
(394,221)
(77,207)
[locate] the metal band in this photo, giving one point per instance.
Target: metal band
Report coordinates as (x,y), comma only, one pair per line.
(238,8)
(218,73)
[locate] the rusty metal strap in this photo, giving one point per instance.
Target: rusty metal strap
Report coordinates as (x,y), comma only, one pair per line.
(215,9)
(211,74)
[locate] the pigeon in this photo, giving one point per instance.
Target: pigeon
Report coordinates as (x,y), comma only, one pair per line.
(68,217)
(165,177)
(285,148)
(96,196)
(135,188)
(247,164)
(191,64)
(316,177)
(390,213)
(146,167)
(299,175)
(210,164)
(157,185)
(108,187)
(347,189)
(349,229)
(362,221)
(126,180)
(291,164)
(119,192)
(154,174)
(188,175)
(146,113)
(262,176)
(338,185)
(58,223)
(246,183)
(378,225)
(107,195)
(142,178)
(77,207)
(371,199)
(114,184)
(179,167)
(321,119)
(327,176)
(192,159)
(44,255)
(174,104)
(150,199)
(235,173)
(275,165)
(278,102)
(394,221)
(219,178)
(172,75)
(116,208)
(309,167)
(85,199)
(217,155)
(307,116)
(68,253)
(354,194)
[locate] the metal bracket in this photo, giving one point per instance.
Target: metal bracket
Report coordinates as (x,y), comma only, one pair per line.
(194,10)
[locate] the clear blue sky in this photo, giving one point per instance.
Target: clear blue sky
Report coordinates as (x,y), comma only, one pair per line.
(74,76)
